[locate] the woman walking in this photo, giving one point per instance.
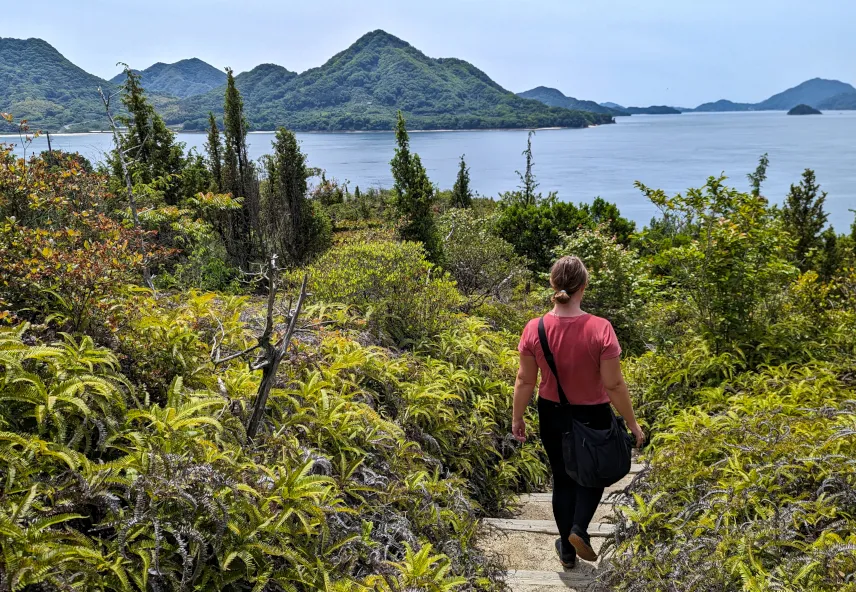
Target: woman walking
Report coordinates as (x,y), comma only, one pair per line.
(586,353)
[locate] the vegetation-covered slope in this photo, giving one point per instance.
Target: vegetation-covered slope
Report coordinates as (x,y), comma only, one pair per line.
(816,92)
(38,84)
(215,434)
(364,86)
(653,110)
(182,79)
(844,101)
(724,105)
(811,92)
(803,110)
(555,98)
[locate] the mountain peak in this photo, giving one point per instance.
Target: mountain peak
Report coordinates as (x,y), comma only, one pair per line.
(184,78)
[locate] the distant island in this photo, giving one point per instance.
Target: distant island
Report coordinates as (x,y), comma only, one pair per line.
(653,110)
(360,88)
(555,98)
(818,93)
(804,110)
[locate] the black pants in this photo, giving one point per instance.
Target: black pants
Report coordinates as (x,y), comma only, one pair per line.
(573,505)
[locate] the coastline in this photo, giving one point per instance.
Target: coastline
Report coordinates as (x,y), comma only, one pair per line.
(414,131)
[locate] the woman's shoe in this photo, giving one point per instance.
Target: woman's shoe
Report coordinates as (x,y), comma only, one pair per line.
(567,560)
(582,546)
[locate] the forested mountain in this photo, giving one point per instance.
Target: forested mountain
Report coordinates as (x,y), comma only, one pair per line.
(360,88)
(364,86)
(724,105)
(182,79)
(846,100)
(817,92)
(612,105)
(39,84)
(811,92)
(555,98)
(262,85)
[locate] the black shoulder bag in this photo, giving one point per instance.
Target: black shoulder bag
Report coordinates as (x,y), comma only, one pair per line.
(593,458)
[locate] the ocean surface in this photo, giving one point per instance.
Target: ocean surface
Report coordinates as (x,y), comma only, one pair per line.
(671,152)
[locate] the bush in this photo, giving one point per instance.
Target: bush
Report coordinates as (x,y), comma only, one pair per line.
(619,288)
(482,263)
(753,489)
(406,297)
(733,269)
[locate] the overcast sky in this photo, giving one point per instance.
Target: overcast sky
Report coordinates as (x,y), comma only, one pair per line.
(633,52)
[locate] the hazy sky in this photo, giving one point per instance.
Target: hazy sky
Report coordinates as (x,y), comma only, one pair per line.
(633,52)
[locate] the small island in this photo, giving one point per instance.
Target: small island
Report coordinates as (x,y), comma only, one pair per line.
(653,110)
(804,110)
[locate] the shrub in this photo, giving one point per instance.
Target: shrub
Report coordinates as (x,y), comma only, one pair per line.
(734,270)
(406,297)
(619,287)
(482,263)
(752,489)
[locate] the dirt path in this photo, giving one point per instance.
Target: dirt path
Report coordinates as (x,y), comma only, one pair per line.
(526,543)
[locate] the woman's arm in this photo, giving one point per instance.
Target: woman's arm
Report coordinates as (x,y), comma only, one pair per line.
(616,388)
(524,386)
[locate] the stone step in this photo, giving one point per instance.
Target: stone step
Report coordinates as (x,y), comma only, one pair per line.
(546,498)
(520,580)
(545,526)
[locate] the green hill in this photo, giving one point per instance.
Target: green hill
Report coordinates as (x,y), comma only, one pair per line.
(811,92)
(555,98)
(39,84)
(364,86)
(653,110)
(182,79)
(259,87)
(817,92)
(804,110)
(724,105)
(843,101)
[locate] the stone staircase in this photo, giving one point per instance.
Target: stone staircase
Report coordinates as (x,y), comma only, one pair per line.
(526,542)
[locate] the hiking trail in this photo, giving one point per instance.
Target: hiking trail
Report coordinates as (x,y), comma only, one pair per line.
(525,543)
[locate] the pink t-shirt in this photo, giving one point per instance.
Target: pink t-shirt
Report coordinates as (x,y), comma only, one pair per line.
(578,345)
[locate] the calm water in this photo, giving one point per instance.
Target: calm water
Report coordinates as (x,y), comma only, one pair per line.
(671,152)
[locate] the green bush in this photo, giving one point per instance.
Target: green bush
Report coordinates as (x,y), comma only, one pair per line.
(482,263)
(619,288)
(406,297)
(750,490)
(728,258)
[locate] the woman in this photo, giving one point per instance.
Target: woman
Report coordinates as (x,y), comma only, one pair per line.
(587,353)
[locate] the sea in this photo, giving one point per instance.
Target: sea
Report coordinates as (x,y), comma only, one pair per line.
(670,152)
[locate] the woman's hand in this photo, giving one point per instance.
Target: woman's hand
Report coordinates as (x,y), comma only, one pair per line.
(518,429)
(638,433)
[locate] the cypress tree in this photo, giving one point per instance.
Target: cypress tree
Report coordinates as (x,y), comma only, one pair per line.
(149,146)
(292,226)
(414,195)
(804,218)
(462,196)
(239,176)
(214,148)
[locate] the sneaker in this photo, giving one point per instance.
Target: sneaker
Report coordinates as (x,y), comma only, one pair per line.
(580,541)
(568,560)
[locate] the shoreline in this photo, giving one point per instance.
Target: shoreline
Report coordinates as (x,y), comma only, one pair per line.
(413,131)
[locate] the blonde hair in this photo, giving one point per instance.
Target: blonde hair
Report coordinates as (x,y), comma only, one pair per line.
(567,277)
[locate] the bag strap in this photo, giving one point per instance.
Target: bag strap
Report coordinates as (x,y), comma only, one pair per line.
(551,362)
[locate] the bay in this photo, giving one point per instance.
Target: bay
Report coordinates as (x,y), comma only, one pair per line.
(671,152)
